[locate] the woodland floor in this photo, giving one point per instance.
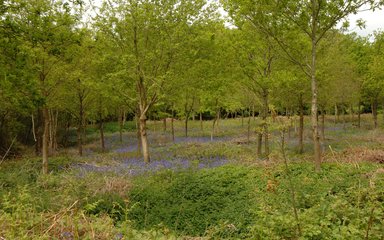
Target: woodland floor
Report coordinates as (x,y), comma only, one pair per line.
(198,188)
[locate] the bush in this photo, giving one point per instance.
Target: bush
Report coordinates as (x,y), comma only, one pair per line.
(192,202)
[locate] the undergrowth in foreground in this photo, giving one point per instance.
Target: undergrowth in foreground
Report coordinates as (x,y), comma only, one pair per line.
(344,201)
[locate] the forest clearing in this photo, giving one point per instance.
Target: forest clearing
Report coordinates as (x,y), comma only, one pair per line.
(191,119)
(198,188)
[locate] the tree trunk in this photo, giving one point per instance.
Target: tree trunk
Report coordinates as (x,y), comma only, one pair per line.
(144,139)
(337,114)
(173,126)
(101,129)
(45,139)
(39,132)
(186,126)
(242,118)
(253,113)
(138,136)
(315,125)
(201,121)
(359,115)
(265,124)
(374,112)
(289,123)
(213,126)
(124,117)
(249,130)
(164,125)
(323,125)
(80,139)
(121,123)
(259,143)
(301,126)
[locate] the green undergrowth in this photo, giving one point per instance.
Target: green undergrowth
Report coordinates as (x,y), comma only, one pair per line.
(235,201)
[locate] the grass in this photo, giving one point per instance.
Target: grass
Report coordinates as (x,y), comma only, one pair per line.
(196,188)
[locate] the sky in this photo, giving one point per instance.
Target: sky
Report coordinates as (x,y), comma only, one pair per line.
(374,21)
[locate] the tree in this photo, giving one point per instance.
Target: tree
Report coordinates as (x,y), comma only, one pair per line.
(45,30)
(149,33)
(256,55)
(312,18)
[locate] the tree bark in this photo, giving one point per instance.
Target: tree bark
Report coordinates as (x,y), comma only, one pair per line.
(186,126)
(259,143)
(249,130)
(45,139)
(374,112)
(359,115)
(323,125)
(201,121)
(101,129)
(144,139)
(173,127)
(138,136)
(121,124)
(265,124)
(301,126)
(315,125)
(214,124)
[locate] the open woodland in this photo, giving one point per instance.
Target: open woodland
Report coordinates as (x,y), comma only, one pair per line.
(190,119)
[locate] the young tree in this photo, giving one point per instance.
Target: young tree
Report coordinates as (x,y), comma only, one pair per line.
(45,31)
(149,33)
(311,18)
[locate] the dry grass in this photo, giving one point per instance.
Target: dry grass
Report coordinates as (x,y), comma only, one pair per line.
(356,155)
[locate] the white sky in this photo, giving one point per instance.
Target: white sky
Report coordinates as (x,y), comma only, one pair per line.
(374,20)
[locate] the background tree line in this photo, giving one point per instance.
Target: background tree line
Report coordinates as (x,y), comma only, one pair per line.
(142,59)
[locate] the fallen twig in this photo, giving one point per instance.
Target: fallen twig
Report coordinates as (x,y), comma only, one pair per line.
(9,149)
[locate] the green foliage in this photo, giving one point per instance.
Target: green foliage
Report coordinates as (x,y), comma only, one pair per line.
(191,203)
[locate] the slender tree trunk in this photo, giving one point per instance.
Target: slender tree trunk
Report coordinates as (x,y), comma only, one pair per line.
(173,129)
(242,118)
(101,128)
(289,123)
(323,124)
(124,117)
(374,112)
(80,139)
(201,121)
(39,132)
(138,136)
(164,125)
(253,113)
(344,118)
(259,143)
(301,128)
(265,124)
(186,125)
(359,115)
(33,128)
(337,114)
(213,125)
(45,139)
(144,138)
(218,121)
(352,114)
(315,125)
(249,130)
(121,123)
